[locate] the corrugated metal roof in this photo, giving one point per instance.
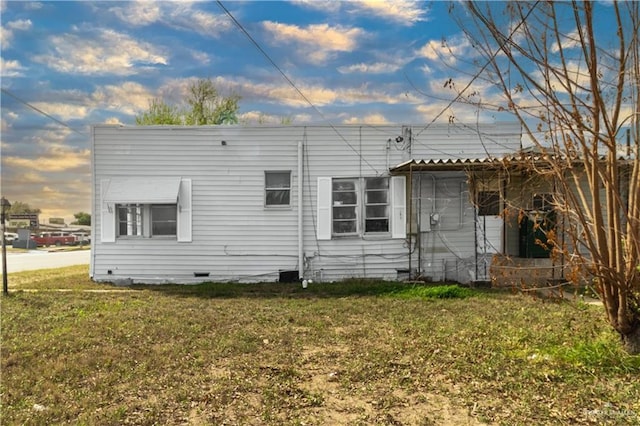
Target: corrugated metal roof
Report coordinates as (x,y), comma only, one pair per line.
(446,164)
(522,157)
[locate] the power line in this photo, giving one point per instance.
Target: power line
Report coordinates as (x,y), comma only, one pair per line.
(62,123)
(302,95)
(479,73)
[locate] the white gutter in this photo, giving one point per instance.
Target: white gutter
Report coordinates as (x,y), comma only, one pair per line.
(300,207)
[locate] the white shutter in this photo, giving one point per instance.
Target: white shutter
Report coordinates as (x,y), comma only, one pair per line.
(184,212)
(324,208)
(398,207)
(107,215)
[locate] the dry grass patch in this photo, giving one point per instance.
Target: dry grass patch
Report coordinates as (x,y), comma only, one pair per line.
(350,353)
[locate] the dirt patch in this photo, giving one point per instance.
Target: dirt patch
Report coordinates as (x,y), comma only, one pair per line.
(343,404)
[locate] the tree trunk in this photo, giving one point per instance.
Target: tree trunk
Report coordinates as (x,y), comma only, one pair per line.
(631,341)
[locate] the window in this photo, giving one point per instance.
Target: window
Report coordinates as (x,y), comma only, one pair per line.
(277,188)
(143,207)
(361,206)
(376,205)
(347,207)
(146,220)
(163,219)
(129,220)
(488,203)
(542,202)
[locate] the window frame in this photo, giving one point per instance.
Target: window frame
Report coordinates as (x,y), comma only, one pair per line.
(144,221)
(362,192)
(366,203)
(153,221)
(356,207)
(268,189)
(398,196)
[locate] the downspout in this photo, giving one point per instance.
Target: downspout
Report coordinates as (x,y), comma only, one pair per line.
(94,212)
(300,212)
(409,239)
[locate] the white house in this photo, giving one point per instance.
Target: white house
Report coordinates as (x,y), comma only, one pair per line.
(269,203)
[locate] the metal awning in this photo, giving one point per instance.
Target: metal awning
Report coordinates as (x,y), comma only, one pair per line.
(147,190)
(445,164)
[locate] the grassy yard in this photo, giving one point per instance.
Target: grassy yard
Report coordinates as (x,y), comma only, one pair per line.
(351,353)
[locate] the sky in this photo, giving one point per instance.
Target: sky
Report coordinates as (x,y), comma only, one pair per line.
(68,65)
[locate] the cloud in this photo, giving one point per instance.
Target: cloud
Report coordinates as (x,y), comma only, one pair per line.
(6,31)
(138,13)
(368,119)
(11,68)
(99,52)
(178,15)
(447,51)
(21,25)
(33,177)
(330,6)
(57,159)
(374,68)
(6,37)
(315,42)
(320,96)
(127,97)
(64,111)
(113,120)
(402,12)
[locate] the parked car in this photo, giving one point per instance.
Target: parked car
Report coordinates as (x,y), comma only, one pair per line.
(54,239)
(82,238)
(9,237)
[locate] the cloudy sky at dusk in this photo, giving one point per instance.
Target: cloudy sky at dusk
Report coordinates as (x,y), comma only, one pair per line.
(67,65)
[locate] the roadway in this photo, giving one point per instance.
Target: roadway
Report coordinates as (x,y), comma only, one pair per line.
(39,259)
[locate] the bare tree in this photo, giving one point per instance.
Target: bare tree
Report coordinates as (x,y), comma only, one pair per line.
(569,71)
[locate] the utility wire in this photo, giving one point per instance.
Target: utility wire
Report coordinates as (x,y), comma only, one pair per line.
(62,123)
(302,95)
(479,73)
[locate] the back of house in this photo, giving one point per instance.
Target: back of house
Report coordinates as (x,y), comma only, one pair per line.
(277,203)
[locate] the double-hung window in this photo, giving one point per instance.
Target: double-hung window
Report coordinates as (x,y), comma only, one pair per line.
(277,188)
(376,201)
(345,206)
(361,206)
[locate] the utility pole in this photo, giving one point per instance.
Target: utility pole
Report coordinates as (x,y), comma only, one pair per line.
(5,205)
